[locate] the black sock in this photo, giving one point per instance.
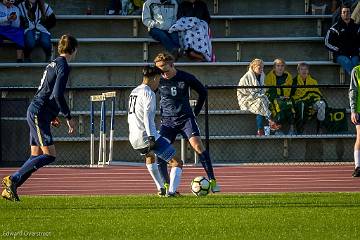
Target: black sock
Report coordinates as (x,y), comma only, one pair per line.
(207,165)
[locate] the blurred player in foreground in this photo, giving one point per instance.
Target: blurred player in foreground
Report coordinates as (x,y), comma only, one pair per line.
(48,101)
(355,115)
(143,135)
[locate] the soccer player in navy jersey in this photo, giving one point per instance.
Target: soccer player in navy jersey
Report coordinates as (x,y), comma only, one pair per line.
(177,116)
(48,101)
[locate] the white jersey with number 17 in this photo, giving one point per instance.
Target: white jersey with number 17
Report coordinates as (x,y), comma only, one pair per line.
(141,115)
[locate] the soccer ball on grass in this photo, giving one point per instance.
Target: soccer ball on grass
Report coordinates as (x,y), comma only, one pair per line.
(200,186)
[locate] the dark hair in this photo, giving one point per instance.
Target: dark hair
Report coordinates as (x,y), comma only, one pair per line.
(345,5)
(151,71)
(67,44)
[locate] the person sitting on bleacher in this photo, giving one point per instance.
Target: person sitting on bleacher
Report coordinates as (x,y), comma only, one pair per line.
(193,20)
(37,18)
(343,40)
(10,26)
(281,104)
(356,13)
(308,101)
(254,99)
(128,7)
(158,16)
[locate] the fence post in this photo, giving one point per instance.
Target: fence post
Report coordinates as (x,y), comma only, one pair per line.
(207,121)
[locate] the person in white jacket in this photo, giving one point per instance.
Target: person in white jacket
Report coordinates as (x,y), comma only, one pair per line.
(253,98)
(158,16)
(10,26)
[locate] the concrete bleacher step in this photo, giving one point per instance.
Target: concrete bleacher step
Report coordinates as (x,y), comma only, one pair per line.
(76,7)
(225,49)
(114,74)
(237,25)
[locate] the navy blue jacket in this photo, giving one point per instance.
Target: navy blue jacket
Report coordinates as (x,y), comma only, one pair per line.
(49,98)
(174,95)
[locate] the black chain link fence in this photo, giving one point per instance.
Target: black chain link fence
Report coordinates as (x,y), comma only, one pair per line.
(231,132)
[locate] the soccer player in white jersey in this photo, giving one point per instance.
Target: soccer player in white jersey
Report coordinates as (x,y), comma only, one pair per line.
(143,135)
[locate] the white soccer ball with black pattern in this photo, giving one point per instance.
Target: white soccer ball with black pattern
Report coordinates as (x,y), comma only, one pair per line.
(200,186)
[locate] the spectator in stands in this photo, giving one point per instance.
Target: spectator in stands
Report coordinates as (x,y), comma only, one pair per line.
(281,104)
(190,27)
(128,7)
(355,115)
(158,16)
(336,14)
(10,26)
(38,18)
(308,101)
(254,99)
(343,39)
(356,13)
(194,8)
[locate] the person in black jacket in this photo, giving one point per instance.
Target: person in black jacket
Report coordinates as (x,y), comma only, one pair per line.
(37,19)
(343,39)
(194,8)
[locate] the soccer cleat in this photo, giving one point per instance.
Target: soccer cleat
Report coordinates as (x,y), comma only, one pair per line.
(166,186)
(10,187)
(214,186)
(174,194)
(6,182)
(356,172)
(162,192)
(8,195)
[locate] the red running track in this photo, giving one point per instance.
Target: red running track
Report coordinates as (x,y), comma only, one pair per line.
(233,179)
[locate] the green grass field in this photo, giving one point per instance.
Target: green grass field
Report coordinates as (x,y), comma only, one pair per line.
(260,216)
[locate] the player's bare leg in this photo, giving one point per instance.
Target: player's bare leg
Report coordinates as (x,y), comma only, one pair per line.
(356,172)
(197,145)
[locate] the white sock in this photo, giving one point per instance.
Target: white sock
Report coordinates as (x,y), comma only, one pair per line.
(155,174)
(357,158)
(175,176)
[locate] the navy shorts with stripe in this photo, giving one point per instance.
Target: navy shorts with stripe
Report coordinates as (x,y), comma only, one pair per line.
(39,124)
(172,126)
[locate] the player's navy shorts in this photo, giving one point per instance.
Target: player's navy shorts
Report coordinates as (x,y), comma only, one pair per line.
(39,124)
(163,149)
(172,126)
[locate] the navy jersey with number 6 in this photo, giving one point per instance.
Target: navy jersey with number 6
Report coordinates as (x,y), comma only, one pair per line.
(49,97)
(174,95)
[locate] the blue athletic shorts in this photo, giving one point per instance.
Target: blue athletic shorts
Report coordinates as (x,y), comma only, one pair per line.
(39,124)
(163,149)
(172,126)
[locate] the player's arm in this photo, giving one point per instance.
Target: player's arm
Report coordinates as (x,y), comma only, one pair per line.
(62,75)
(149,116)
(202,94)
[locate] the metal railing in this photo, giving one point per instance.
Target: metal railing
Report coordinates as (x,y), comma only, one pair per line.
(228,132)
